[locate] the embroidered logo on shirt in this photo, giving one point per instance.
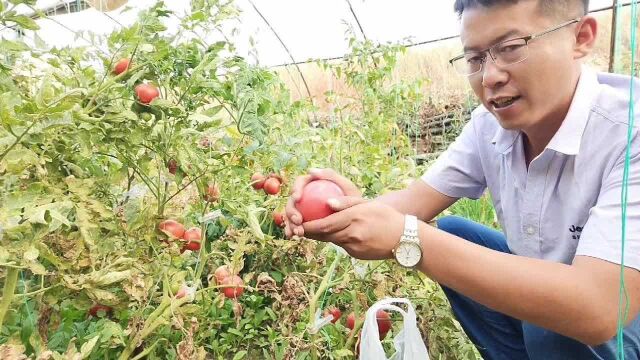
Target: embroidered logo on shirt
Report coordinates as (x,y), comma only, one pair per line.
(575,231)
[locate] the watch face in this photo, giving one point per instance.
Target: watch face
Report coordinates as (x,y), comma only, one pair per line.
(408,254)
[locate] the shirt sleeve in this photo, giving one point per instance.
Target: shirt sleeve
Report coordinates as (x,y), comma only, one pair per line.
(602,234)
(458,170)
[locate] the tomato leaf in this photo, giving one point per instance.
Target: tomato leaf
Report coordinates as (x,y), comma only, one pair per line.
(240,354)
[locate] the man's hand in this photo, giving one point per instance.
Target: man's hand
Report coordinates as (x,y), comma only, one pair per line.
(367,230)
(293,220)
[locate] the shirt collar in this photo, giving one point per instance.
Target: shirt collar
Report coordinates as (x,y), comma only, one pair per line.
(568,137)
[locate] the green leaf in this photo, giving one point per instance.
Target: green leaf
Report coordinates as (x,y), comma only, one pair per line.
(18,159)
(240,355)
(343,353)
(13,46)
(252,221)
(87,347)
(24,22)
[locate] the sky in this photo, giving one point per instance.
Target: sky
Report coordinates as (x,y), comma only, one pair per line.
(309,28)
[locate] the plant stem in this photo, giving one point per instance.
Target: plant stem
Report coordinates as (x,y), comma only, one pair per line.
(313,304)
(157,318)
(36,292)
(147,350)
(7,292)
(358,323)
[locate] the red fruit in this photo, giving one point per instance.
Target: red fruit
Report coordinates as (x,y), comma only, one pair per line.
(121,66)
(335,312)
(193,237)
(172,165)
(172,228)
(191,245)
(146,93)
(257,181)
(221,273)
(274,175)
(351,321)
(212,194)
(313,203)
(193,234)
(278,218)
(272,186)
(384,323)
(236,289)
(95,309)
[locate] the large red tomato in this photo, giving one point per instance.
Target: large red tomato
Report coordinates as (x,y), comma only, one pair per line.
(335,312)
(351,321)
(257,181)
(146,93)
(221,273)
(278,218)
(121,66)
(384,323)
(172,228)
(271,186)
(236,288)
(193,236)
(313,203)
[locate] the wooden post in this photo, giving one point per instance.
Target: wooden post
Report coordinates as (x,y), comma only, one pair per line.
(614,31)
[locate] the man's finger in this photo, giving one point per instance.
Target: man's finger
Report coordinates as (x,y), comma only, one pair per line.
(330,224)
(345,184)
(298,185)
(345,202)
(292,214)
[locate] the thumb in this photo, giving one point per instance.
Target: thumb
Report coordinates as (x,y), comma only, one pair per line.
(345,202)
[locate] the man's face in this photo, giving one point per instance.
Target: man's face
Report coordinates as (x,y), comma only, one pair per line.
(538,90)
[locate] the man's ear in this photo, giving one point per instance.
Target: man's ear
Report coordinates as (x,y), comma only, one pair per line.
(586,33)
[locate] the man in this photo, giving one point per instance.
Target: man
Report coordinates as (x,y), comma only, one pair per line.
(548,143)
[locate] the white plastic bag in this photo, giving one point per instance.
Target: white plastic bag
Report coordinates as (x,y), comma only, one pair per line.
(408,342)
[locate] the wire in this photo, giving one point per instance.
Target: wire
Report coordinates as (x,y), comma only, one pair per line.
(623,295)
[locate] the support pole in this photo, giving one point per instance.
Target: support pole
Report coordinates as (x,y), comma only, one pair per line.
(614,32)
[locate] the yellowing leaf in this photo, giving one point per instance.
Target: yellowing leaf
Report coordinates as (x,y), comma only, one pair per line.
(87,347)
(111,277)
(37,268)
(252,221)
(31,254)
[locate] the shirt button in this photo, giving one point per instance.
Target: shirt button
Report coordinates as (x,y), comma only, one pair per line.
(530,230)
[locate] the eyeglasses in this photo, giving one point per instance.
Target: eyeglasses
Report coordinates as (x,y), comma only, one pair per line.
(504,53)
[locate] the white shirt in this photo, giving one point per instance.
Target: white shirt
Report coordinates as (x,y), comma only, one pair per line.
(569,201)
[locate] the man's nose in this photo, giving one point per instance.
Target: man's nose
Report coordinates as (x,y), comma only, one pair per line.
(493,75)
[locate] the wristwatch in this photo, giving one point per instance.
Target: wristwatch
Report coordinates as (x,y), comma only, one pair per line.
(408,252)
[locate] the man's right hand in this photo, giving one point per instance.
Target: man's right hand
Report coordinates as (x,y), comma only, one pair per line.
(293,220)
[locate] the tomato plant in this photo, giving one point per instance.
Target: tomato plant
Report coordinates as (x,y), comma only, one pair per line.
(97,171)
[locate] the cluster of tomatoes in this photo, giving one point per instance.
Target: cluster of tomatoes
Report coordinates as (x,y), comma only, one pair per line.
(175,230)
(232,285)
(382,318)
(145,92)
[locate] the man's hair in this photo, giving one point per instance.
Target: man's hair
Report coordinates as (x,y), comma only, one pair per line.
(548,7)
